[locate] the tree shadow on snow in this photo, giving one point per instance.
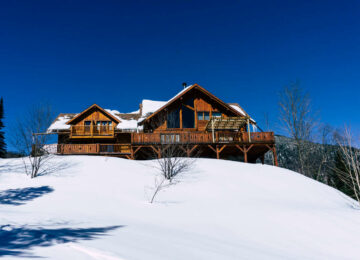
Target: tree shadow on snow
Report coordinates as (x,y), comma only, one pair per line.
(19,196)
(16,241)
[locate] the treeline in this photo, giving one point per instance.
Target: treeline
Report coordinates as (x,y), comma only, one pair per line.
(313,148)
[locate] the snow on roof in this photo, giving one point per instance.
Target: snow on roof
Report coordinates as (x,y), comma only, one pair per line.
(124,123)
(150,106)
(238,108)
(60,123)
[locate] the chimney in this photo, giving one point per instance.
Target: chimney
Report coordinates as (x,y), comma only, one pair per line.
(184,85)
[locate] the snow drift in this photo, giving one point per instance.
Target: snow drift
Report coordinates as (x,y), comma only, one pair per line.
(97,208)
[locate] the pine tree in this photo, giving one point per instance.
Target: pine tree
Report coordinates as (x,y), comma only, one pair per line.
(2,134)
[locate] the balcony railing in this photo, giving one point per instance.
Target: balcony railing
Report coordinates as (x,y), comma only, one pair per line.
(201,137)
(93,148)
(95,131)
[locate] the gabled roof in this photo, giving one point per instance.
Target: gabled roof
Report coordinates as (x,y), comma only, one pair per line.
(88,109)
(201,89)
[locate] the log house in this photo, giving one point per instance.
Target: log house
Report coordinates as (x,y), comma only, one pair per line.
(195,120)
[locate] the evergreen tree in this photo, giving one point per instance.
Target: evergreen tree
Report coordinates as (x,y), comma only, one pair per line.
(2,134)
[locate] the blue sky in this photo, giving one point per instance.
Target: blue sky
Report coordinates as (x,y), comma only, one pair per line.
(116,53)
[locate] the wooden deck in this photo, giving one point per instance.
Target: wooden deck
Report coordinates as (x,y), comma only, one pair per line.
(92,131)
(202,138)
(250,146)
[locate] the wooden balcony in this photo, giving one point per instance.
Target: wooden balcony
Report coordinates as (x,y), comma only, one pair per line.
(202,138)
(92,131)
(94,149)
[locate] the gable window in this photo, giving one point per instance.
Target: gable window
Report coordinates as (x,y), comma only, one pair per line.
(203,115)
(87,123)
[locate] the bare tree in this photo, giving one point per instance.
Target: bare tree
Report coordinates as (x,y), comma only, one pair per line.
(171,162)
(350,157)
(299,122)
(323,156)
(29,137)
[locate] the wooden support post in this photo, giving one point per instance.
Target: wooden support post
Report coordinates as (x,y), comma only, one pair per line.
(213,133)
(98,148)
(248,123)
(245,154)
(132,153)
(219,150)
(262,158)
(275,156)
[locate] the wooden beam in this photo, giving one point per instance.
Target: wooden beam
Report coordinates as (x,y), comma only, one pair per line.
(212,148)
(251,146)
(222,148)
(156,151)
(194,147)
(238,146)
(189,107)
(181,118)
(137,149)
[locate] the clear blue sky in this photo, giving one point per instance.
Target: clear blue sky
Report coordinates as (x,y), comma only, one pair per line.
(116,53)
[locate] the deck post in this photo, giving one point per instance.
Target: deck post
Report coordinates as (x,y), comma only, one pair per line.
(213,133)
(275,156)
(217,152)
(262,158)
(245,154)
(248,124)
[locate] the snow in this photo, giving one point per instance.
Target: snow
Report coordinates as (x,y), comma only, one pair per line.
(218,210)
(60,124)
(237,108)
(150,106)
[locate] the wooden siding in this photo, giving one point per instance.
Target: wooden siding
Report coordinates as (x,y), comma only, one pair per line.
(201,104)
(94,116)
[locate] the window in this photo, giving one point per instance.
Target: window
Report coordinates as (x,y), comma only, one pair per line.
(216,114)
(87,122)
(170,138)
(203,115)
(206,115)
(173,119)
(188,117)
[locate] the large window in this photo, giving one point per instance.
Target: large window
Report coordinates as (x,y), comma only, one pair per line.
(188,117)
(173,119)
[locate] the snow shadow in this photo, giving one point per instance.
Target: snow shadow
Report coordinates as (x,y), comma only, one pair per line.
(19,196)
(17,241)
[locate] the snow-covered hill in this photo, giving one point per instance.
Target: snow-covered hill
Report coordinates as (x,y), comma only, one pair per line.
(97,208)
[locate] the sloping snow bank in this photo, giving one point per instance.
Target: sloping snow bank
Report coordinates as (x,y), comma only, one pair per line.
(219,210)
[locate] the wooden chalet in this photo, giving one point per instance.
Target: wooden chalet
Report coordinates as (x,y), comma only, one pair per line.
(194,120)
